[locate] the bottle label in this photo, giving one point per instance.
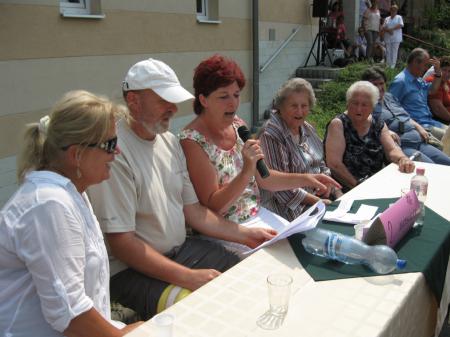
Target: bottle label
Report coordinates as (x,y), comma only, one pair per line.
(332,245)
(420,188)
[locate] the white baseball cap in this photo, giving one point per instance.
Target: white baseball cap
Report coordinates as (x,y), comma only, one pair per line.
(158,76)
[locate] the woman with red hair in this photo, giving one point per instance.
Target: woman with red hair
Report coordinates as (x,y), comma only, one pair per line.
(221,166)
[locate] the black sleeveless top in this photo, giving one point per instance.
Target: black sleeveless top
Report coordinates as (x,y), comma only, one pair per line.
(363,156)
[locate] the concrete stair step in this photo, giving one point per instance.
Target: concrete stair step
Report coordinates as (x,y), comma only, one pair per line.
(318,72)
(316,82)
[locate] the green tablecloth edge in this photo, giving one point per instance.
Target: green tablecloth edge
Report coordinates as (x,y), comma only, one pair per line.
(426,250)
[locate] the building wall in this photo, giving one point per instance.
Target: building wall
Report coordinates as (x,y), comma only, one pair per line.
(282,17)
(44,55)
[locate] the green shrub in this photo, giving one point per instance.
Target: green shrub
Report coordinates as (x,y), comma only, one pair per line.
(437,37)
(331,97)
(437,16)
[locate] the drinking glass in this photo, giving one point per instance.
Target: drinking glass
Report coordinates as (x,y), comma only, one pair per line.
(279,288)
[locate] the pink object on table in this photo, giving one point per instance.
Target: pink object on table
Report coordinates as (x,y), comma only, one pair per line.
(398,219)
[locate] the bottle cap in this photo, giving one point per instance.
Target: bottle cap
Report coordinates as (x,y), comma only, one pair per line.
(401,264)
(420,171)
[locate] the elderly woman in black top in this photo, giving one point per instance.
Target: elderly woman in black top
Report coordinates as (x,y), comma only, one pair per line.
(356,143)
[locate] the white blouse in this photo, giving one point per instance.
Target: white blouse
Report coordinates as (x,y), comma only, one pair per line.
(53,261)
(396,35)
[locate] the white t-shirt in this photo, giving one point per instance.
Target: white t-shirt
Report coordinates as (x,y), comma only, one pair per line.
(397,35)
(53,261)
(372,20)
(146,193)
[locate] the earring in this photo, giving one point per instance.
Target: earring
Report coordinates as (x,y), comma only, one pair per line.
(79,175)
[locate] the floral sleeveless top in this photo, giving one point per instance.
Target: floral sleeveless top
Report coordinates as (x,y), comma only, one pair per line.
(228,164)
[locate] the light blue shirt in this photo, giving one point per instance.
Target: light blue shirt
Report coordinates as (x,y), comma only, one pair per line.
(412,93)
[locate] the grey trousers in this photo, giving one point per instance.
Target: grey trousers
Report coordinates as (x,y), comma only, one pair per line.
(141,293)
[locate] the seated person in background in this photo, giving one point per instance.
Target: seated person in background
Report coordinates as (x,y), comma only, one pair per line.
(439,102)
(290,144)
(446,143)
(145,206)
(221,166)
(360,46)
(54,274)
(413,137)
(341,39)
(379,50)
(412,91)
(356,143)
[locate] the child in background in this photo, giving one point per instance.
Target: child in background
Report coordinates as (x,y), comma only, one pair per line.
(360,46)
(379,50)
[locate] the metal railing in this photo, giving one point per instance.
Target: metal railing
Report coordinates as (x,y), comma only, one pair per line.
(279,49)
(422,42)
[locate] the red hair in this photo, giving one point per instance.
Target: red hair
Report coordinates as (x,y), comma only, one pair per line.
(215,72)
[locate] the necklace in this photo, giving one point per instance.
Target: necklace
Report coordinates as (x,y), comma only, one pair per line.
(304,146)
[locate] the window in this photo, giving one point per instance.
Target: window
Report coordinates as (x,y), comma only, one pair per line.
(90,9)
(208,11)
(202,10)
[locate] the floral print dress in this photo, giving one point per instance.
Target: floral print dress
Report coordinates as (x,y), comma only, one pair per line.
(228,164)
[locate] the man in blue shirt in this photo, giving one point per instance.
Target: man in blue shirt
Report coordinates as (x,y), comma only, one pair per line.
(413,137)
(412,91)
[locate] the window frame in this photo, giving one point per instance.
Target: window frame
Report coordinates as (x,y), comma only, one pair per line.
(209,11)
(82,9)
(203,14)
(74,8)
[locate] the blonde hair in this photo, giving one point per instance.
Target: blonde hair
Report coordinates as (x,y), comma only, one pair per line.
(295,84)
(363,87)
(79,117)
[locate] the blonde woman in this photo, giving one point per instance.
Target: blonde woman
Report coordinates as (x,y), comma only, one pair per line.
(54,272)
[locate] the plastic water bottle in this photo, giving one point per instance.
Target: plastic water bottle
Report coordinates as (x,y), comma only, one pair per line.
(419,183)
(381,259)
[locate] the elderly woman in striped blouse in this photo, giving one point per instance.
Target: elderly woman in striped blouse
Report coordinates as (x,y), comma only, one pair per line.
(290,144)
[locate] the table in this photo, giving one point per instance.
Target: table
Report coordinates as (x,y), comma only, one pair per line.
(391,305)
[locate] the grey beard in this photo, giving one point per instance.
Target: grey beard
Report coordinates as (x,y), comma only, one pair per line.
(155,129)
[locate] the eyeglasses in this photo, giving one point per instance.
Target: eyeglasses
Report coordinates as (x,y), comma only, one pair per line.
(109,146)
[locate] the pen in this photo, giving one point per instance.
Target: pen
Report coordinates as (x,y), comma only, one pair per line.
(415,155)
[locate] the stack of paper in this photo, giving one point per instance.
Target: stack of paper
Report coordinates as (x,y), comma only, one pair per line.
(340,214)
(307,220)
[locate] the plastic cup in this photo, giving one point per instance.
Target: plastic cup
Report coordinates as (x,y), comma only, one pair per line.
(163,324)
(359,231)
(279,287)
(361,228)
(279,292)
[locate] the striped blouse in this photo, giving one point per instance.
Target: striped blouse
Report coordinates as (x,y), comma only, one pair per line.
(283,153)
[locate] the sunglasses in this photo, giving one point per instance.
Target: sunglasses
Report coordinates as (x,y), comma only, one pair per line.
(109,146)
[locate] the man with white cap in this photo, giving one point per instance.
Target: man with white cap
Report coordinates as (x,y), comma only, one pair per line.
(145,205)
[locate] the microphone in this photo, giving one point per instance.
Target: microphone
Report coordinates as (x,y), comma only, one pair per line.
(244,133)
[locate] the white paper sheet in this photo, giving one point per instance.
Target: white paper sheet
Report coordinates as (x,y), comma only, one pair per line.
(340,214)
(285,228)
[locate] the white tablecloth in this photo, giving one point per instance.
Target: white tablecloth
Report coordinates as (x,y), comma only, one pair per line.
(393,305)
